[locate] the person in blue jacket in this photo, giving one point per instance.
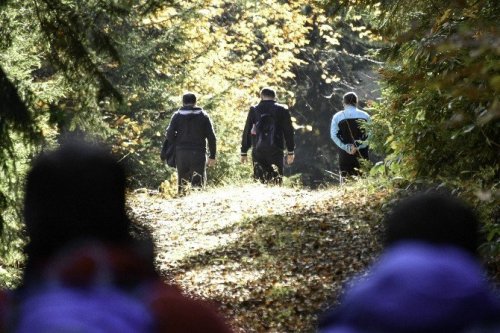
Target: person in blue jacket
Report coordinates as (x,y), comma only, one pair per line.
(349,135)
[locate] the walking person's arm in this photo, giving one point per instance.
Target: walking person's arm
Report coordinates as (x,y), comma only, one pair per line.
(170,133)
(289,135)
(246,138)
(212,143)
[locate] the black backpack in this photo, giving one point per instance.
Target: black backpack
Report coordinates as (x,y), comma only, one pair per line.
(265,129)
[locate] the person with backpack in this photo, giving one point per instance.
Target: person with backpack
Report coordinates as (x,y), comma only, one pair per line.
(190,128)
(348,133)
(268,130)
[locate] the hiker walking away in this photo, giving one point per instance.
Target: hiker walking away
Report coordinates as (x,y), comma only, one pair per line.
(349,135)
(268,130)
(190,128)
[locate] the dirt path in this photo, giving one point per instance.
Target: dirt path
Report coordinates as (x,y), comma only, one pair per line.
(186,226)
(271,257)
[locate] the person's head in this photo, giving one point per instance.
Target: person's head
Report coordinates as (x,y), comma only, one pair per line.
(416,287)
(433,218)
(350,98)
(267,94)
(189,99)
(74,193)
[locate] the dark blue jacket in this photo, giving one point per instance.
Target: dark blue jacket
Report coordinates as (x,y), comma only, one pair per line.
(190,128)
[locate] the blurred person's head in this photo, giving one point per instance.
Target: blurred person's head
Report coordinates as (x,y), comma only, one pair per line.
(417,287)
(427,280)
(434,219)
(75,193)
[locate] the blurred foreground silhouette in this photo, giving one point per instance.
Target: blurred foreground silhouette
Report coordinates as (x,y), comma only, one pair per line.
(84,271)
(427,280)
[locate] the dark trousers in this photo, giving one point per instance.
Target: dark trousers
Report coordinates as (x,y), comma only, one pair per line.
(349,164)
(191,168)
(268,166)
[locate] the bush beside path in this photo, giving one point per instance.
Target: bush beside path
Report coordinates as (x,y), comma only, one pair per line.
(271,258)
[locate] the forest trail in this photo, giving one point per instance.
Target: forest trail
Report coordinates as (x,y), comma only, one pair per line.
(271,257)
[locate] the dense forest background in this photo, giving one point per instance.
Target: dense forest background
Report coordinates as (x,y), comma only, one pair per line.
(427,71)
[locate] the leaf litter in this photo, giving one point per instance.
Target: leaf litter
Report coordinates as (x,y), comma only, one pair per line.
(272,258)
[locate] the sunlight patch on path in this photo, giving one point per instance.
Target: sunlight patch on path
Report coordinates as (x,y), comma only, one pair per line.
(205,221)
(224,279)
(271,257)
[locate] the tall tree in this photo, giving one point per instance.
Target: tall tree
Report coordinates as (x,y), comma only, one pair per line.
(53,57)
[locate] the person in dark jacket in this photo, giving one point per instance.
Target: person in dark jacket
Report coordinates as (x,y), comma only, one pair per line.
(268,163)
(349,135)
(190,128)
(85,272)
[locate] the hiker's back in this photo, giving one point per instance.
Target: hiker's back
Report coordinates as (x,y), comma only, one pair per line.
(265,131)
(192,130)
(350,124)
(268,126)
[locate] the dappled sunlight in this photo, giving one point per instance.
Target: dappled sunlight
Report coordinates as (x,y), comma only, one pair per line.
(271,257)
(204,221)
(222,279)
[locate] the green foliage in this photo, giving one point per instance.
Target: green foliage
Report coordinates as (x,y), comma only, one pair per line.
(52,55)
(438,118)
(17,132)
(11,185)
(440,104)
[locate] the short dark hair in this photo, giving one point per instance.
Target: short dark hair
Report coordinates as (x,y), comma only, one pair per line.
(189,98)
(350,98)
(74,193)
(268,92)
(433,218)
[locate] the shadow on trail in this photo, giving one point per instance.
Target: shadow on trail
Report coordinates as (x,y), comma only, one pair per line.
(283,269)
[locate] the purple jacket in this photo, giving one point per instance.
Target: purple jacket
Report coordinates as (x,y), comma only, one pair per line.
(418,288)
